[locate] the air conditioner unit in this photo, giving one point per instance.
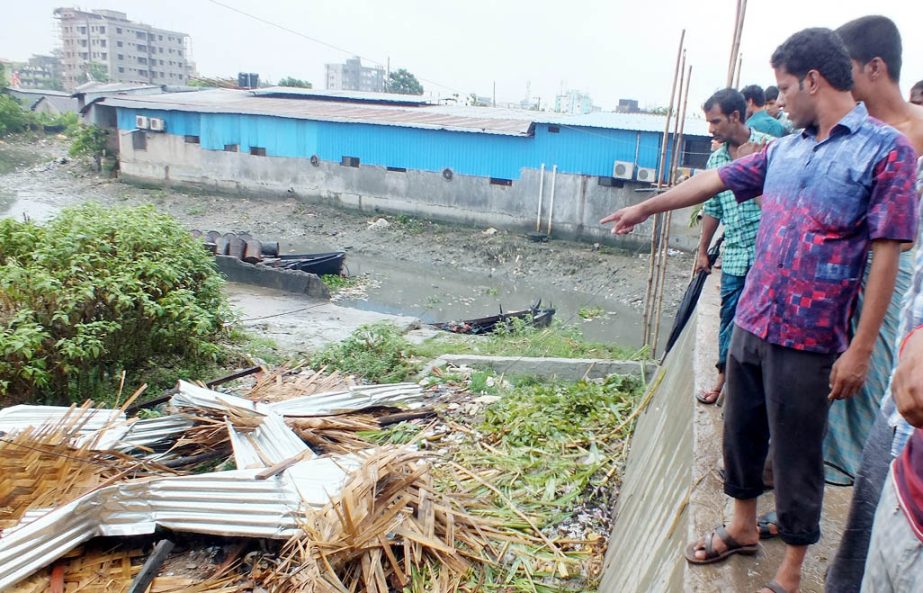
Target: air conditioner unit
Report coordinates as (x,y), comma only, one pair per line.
(623,170)
(158,125)
(646,174)
(142,122)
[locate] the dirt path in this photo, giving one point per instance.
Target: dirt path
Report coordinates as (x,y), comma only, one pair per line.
(39,184)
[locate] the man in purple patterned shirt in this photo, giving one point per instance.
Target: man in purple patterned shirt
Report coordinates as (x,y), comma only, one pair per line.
(841,187)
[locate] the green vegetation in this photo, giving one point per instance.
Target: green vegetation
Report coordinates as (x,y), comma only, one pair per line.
(336,283)
(295,82)
(404,83)
(13,118)
(591,312)
(520,338)
(99,290)
(90,141)
(377,353)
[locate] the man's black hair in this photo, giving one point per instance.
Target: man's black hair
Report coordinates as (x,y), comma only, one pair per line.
(754,93)
(772,93)
(816,49)
(872,37)
(729,101)
(917,87)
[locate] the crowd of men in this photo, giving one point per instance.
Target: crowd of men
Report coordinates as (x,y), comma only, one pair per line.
(817,182)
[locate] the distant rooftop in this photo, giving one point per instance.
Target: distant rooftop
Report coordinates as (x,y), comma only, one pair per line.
(351,96)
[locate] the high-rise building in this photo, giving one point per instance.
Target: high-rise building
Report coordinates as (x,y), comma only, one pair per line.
(104,44)
(574,101)
(353,76)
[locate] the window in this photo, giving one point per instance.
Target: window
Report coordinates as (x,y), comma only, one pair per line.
(82,30)
(161,62)
(118,43)
(118,29)
(191,139)
(160,38)
(350,161)
(120,56)
(161,49)
(257,151)
(121,70)
(139,140)
(104,56)
(500,181)
(102,43)
(231,147)
(102,29)
(398,169)
(696,152)
(554,129)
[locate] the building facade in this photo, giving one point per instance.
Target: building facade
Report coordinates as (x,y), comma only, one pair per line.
(104,44)
(468,165)
(353,76)
(574,102)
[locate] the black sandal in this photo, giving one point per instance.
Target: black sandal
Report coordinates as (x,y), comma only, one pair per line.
(712,555)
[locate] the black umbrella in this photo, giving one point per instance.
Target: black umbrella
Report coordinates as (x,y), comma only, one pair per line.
(691,298)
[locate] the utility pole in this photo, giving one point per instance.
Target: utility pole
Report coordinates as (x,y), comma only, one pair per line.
(494,100)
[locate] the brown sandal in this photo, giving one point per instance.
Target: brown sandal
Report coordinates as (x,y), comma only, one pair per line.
(712,555)
(775,587)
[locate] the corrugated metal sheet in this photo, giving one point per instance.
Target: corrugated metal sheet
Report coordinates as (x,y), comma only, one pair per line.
(88,423)
(352,399)
(154,431)
(232,504)
(272,442)
(243,103)
(357,96)
(319,404)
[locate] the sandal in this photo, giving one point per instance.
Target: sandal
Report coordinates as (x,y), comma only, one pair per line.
(712,555)
(765,523)
(709,398)
(775,587)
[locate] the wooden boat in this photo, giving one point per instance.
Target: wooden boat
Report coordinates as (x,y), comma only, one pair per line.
(321,264)
(535,315)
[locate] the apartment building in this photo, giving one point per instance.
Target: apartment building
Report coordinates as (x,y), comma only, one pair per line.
(353,76)
(100,44)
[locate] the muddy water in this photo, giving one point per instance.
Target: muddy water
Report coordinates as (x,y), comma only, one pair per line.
(436,292)
(16,203)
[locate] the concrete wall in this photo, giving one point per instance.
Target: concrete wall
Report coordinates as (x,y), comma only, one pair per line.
(579,201)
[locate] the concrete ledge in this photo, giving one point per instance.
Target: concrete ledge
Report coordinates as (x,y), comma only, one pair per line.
(295,281)
(671,493)
(564,369)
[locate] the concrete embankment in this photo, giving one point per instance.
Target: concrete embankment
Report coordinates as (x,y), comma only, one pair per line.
(672,494)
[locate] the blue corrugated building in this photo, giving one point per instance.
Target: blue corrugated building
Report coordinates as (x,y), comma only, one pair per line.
(465,164)
(475,141)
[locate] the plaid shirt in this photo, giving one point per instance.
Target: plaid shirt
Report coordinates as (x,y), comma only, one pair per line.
(823,202)
(911,317)
(740,221)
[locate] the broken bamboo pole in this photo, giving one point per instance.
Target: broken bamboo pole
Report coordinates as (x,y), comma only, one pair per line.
(654,226)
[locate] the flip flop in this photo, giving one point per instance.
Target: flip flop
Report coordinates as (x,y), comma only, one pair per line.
(712,555)
(775,587)
(765,521)
(706,397)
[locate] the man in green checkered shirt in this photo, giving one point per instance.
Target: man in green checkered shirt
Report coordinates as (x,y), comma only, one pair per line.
(726,112)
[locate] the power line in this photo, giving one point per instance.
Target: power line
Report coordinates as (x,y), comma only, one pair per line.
(318,41)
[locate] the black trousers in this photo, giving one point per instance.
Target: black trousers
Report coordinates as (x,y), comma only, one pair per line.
(779,393)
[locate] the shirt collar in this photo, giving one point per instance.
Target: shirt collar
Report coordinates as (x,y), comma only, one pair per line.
(850,122)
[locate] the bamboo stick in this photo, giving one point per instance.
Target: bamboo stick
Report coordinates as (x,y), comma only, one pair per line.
(655,228)
(666,241)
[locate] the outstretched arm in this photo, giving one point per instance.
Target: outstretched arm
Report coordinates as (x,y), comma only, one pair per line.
(693,191)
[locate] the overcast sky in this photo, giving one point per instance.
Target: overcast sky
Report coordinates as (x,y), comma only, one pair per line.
(610,49)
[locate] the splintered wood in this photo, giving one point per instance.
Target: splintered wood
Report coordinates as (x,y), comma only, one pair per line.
(113,572)
(286,383)
(40,468)
(388,524)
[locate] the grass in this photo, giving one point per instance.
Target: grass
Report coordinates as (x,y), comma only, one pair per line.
(590,312)
(545,449)
(521,339)
(336,283)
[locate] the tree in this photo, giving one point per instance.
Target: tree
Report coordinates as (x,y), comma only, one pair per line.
(2,75)
(295,82)
(13,117)
(403,82)
(96,72)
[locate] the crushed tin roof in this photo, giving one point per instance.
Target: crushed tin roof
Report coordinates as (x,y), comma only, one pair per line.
(327,106)
(318,404)
(107,426)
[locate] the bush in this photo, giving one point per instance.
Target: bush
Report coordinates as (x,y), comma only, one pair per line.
(89,141)
(99,290)
(376,353)
(13,118)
